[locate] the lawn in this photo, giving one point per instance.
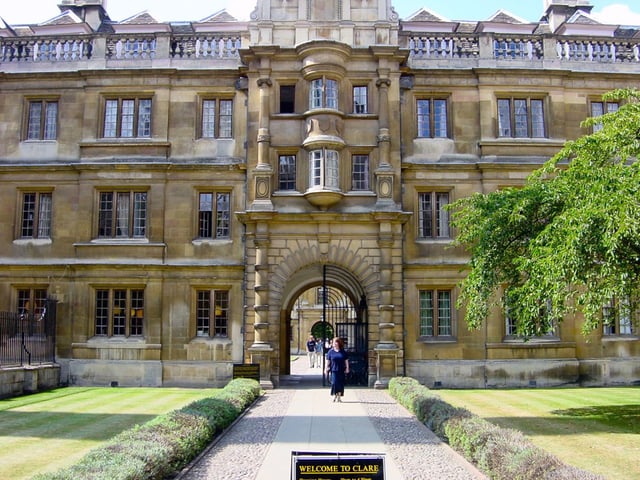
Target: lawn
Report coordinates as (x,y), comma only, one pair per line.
(50,430)
(596,429)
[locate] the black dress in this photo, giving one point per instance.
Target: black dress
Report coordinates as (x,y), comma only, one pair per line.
(337,366)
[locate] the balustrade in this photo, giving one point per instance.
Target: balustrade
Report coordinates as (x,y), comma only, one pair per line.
(207,46)
(45,49)
(425,46)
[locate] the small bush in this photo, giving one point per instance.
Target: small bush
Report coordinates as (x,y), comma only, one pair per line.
(501,453)
(162,446)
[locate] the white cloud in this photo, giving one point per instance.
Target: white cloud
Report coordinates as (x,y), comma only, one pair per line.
(617,14)
(240,9)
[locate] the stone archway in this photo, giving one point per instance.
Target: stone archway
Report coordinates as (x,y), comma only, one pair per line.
(355,329)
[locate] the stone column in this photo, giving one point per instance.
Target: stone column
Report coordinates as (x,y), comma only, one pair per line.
(384,172)
(386,350)
(264,170)
(261,350)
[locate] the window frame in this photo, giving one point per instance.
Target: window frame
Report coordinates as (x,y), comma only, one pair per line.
(360,97)
(361,181)
(429,124)
(324,169)
(613,315)
(324,93)
(510,327)
(31,301)
(135,222)
(287,180)
(606,108)
(118,316)
(287,99)
(514,126)
(429,328)
(140,122)
(435,215)
(210,324)
(41,215)
(217,224)
(217,131)
(46,131)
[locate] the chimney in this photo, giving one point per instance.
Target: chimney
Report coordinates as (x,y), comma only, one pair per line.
(559,11)
(92,12)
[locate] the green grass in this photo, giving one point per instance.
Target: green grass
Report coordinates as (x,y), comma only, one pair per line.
(596,429)
(50,430)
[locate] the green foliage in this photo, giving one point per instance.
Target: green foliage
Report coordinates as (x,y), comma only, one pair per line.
(569,239)
(503,454)
(162,446)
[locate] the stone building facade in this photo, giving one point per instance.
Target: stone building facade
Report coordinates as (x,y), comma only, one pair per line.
(178,187)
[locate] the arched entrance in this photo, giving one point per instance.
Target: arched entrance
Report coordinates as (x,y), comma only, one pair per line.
(326,301)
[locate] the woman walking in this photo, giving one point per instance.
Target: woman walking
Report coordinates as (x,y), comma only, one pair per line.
(338,367)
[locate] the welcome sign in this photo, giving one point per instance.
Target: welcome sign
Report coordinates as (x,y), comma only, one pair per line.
(337,466)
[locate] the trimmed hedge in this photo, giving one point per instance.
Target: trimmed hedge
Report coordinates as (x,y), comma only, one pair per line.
(501,453)
(163,446)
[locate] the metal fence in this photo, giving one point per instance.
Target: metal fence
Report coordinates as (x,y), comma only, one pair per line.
(27,339)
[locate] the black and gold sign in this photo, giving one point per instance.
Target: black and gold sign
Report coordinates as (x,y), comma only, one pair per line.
(337,466)
(246,370)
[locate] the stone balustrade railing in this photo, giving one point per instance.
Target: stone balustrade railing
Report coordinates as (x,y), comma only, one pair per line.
(439,47)
(421,46)
(119,47)
(599,50)
(45,49)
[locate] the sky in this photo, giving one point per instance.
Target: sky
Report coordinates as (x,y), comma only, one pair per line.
(624,12)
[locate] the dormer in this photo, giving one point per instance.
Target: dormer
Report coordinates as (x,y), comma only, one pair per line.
(581,23)
(505,22)
(425,20)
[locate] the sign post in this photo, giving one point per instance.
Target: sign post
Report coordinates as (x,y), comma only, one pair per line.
(338,466)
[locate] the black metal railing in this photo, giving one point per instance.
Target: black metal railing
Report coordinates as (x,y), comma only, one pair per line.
(28,339)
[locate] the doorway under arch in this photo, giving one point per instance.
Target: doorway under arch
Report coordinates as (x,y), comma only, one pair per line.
(326,301)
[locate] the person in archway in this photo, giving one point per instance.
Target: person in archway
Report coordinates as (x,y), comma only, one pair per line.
(311,351)
(319,352)
(338,368)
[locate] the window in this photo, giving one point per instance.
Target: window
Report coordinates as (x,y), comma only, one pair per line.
(432,118)
(433,218)
(32,301)
(323,169)
(323,93)
(119,312)
(546,326)
(217,116)
(360,172)
(521,118)
(122,215)
(212,313)
(287,98)
(436,319)
(42,121)
(287,172)
(127,118)
(214,214)
(360,100)
(320,296)
(36,215)
(618,317)
(600,108)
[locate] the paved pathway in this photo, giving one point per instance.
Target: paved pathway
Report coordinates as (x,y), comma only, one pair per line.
(301,417)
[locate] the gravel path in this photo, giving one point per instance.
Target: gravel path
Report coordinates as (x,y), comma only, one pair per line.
(419,454)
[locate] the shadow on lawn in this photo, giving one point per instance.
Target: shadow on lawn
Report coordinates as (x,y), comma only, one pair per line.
(627,416)
(89,426)
(575,421)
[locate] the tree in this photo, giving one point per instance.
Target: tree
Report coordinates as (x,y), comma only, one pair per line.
(567,241)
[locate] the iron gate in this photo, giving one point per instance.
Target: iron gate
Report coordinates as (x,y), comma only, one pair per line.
(348,321)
